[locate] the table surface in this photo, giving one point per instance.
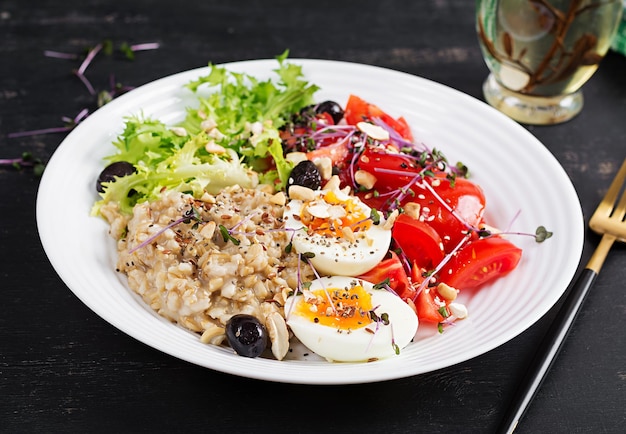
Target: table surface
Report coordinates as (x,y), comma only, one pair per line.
(64,369)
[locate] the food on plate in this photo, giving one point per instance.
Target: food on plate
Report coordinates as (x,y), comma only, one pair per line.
(337,230)
(346,319)
(242,222)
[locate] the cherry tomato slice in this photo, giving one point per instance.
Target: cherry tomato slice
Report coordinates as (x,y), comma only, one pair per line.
(392,269)
(419,242)
(358,110)
(428,309)
(388,168)
(479,262)
(464,197)
(338,152)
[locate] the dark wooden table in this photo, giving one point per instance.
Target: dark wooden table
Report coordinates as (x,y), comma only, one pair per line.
(63,369)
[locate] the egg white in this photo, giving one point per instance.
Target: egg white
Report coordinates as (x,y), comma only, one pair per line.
(338,256)
(356,345)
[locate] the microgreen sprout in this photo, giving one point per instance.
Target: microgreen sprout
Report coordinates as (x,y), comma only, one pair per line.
(383,285)
(375,216)
(26,160)
(70,123)
(542,234)
(189,216)
(226,235)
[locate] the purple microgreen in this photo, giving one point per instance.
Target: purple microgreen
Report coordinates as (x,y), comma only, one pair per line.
(226,235)
(26,160)
(441,264)
(398,140)
(156,235)
(306,256)
(542,234)
(430,188)
(70,123)
(188,216)
(86,82)
(60,55)
(394,345)
(145,46)
(91,54)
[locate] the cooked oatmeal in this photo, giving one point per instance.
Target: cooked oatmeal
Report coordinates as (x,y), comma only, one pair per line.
(190,274)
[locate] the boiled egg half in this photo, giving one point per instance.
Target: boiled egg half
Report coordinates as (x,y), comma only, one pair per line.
(337,229)
(345,319)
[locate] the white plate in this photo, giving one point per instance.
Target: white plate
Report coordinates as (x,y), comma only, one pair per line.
(515,170)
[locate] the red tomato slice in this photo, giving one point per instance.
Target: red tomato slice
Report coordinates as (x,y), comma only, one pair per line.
(338,153)
(479,262)
(465,198)
(377,162)
(419,242)
(392,269)
(427,307)
(358,110)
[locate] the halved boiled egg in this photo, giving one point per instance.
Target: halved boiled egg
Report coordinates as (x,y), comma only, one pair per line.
(338,230)
(345,319)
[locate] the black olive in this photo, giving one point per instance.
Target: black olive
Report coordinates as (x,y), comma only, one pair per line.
(119,168)
(305,174)
(246,335)
(332,108)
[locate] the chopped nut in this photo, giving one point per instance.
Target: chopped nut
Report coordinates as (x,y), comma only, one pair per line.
(216,134)
(458,310)
(278,199)
(373,131)
(391,220)
(299,192)
(214,148)
(209,334)
(207,198)
(348,234)
(295,157)
(325,166)
(447,292)
(333,183)
(412,209)
(365,179)
(208,124)
(278,333)
(179,131)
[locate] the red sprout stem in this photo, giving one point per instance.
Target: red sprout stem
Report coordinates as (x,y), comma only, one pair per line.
(157,234)
(37,132)
(86,82)
(60,55)
(145,46)
(90,56)
(441,264)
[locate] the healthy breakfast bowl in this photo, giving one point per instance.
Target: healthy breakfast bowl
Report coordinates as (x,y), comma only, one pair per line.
(524,187)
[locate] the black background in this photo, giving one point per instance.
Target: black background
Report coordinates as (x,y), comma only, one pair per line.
(63,369)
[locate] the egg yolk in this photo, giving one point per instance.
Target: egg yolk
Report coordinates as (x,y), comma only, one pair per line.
(337,224)
(341,308)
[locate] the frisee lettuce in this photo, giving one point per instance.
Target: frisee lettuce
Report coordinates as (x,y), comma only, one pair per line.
(247,114)
(188,168)
(238,102)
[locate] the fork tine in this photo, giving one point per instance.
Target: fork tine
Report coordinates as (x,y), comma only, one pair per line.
(620,209)
(608,203)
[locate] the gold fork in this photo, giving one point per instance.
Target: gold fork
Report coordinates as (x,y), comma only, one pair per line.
(607,220)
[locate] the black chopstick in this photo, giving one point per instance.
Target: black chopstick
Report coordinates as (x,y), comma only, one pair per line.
(548,350)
